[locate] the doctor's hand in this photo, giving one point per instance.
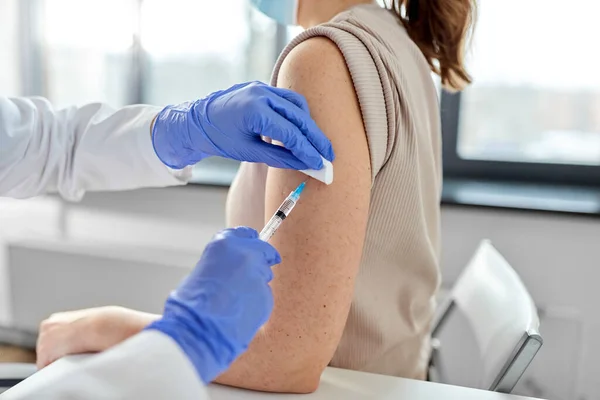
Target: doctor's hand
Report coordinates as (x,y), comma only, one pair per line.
(230,123)
(215,313)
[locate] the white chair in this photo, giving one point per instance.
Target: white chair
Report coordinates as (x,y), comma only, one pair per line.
(501,315)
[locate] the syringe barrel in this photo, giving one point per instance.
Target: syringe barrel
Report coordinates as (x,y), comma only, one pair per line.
(270,228)
(282,212)
(287,206)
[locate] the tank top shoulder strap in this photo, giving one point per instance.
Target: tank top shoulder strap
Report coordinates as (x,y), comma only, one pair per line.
(369,78)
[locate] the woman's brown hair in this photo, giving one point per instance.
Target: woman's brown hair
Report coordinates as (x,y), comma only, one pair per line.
(441,29)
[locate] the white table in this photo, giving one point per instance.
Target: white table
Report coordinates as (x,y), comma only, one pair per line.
(335,384)
(352,385)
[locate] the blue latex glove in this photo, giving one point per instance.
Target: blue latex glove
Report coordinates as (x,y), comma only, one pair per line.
(214,314)
(230,123)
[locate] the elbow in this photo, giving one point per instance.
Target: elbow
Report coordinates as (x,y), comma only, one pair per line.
(300,377)
(291,379)
(303,384)
(307,382)
(306,388)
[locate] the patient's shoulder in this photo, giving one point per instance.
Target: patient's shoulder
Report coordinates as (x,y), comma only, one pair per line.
(316,69)
(315,65)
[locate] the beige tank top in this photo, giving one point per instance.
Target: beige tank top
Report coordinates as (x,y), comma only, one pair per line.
(387,330)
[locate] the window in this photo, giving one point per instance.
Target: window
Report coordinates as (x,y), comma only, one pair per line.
(533,112)
(10,77)
(87,59)
(135,51)
(155,51)
(211,46)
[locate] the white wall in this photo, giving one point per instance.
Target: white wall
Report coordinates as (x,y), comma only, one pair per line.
(556,255)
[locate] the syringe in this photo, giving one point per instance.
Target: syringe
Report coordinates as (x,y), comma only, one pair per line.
(282,212)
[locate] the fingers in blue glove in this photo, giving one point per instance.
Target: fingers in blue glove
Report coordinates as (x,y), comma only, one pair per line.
(245,237)
(299,148)
(292,97)
(241,232)
(301,119)
(279,157)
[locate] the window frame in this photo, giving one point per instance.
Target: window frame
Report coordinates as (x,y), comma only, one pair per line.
(510,171)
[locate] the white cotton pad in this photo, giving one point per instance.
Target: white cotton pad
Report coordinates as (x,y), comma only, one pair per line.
(324,174)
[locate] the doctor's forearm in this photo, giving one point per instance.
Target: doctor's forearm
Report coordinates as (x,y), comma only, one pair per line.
(78,149)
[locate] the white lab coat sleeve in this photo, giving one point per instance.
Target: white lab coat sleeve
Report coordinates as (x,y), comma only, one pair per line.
(150,365)
(78,149)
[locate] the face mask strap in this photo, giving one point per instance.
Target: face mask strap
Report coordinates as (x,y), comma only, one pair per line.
(284,12)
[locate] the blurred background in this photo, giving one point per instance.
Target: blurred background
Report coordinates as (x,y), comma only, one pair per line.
(535,99)
(521,158)
(135,51)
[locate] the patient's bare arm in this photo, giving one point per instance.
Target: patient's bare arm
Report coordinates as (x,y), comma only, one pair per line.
(321,242)
(87,331)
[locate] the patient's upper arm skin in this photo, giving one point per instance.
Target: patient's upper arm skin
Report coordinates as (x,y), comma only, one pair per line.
(321,242)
